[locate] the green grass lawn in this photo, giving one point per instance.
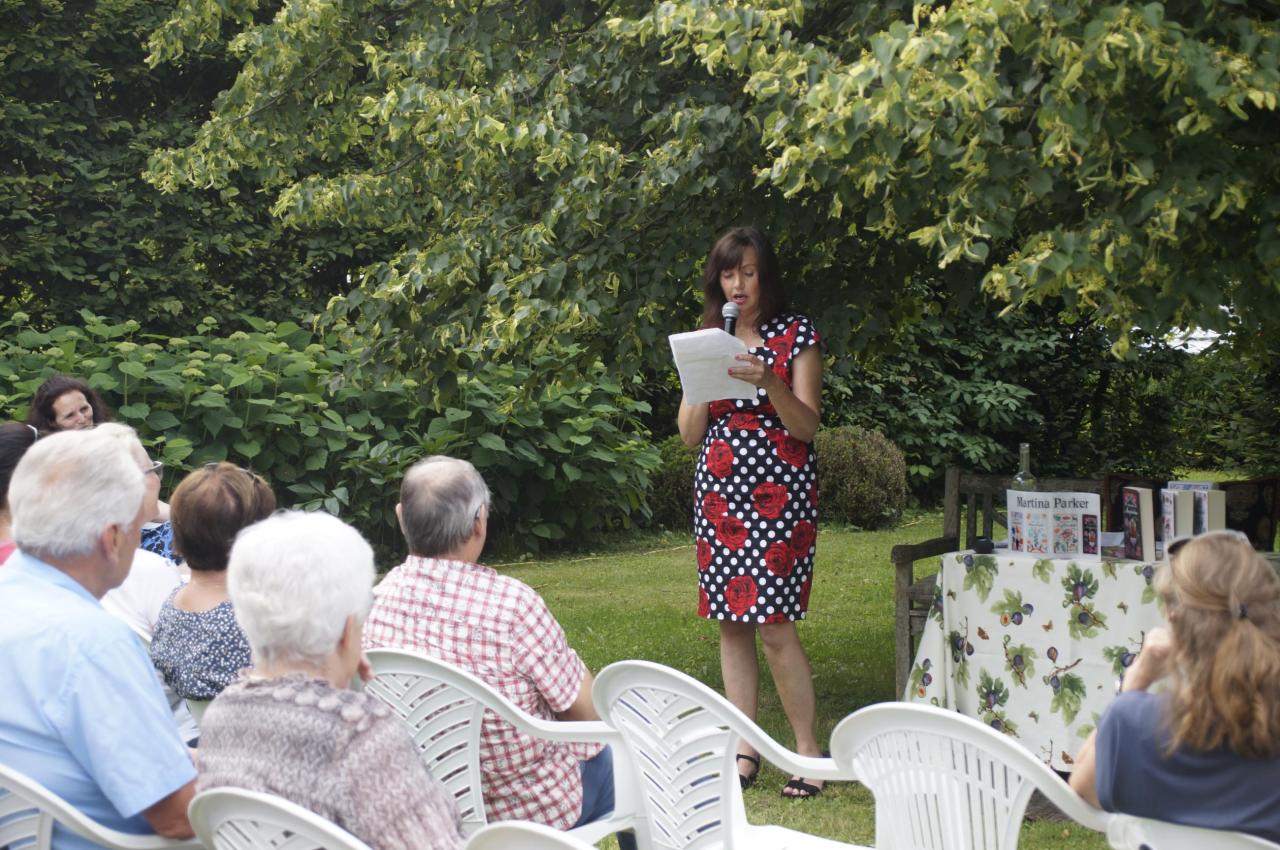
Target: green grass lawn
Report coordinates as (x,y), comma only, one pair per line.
(639,602)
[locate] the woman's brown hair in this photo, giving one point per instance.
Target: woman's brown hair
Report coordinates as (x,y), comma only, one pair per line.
(209,508)
(1223,603)
(40,415)
(727,254)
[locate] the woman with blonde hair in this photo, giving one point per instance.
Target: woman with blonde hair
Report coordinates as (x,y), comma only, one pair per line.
(1205,750)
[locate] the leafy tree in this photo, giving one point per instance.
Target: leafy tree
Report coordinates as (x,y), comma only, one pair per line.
(80,114)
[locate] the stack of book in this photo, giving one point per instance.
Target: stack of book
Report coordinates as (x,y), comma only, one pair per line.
(1194,507)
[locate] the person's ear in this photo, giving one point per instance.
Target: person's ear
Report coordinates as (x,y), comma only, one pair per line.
(350,634)
(400,516)
(109,540)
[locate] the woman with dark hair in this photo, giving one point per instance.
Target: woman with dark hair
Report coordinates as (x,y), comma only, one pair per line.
(15,439)
(755,491)
(197,646)
(64,403)
(1205,750)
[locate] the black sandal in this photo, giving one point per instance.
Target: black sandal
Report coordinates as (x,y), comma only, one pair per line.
(749,779)
(807,791)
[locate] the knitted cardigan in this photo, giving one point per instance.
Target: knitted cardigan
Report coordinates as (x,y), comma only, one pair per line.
(340,754)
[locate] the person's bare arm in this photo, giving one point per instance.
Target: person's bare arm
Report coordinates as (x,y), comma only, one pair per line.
(798,406)
(1084,777)
(1152,662)
(168,817)
(582,708)
(693,423)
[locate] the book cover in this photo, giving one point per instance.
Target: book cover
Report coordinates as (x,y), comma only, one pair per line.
(1178,516)
(1058,525)
(1214,505)
(1251,507)
(1139,524)
(1199,491)
(1113,484)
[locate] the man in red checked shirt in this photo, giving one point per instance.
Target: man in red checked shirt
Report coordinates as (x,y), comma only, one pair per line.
(442,603)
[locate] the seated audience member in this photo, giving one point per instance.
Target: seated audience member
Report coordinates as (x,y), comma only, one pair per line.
(197,646)
(66,403)
(442,603)
(302,585)
(15,439)
(1206,750)
(82,710)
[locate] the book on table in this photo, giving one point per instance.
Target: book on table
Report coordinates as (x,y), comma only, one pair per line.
(1208,505)
(1178,514)
(1054,525)
(1139,528)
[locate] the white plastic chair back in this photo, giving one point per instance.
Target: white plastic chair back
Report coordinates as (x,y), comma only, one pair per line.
(943,781)
(521,835)
(444,707)
(28,812)
(235,819)
(1126,832)
(684,741)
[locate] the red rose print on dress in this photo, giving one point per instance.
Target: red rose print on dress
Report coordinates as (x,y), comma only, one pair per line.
(804,593)
(704,554)
(743,421)
(769,499)
(802,537)
(779,559)
(720,459)
(719,408)
(740,594)
(813,495)
(704,604)
(714,506)
(731,532)
(775,618)
(793,451)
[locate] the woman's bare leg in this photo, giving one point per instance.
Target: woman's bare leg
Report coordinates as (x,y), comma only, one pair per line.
(793,678)
(741,673)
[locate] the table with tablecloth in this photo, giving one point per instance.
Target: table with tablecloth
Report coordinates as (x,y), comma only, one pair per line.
(1033,647)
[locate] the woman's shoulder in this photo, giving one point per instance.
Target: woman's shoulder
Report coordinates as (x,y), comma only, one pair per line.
(332,706)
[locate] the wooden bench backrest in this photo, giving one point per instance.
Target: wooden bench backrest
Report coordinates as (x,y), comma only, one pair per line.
(969,496)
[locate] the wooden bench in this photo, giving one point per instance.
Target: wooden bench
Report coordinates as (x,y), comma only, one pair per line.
(975,502)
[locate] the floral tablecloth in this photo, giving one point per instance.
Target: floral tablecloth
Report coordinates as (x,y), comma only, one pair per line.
(1032,646)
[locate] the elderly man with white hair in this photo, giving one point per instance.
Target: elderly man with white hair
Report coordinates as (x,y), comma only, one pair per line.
(441,602)
(301,585)
(82,709)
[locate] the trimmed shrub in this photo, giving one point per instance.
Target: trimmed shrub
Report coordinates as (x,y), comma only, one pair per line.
(671,485)
(862,478)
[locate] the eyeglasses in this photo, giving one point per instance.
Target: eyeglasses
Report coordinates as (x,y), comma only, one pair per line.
(1177,543)
(157,468)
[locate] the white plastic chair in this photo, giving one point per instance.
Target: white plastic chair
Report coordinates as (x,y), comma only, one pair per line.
(1126,832)
(683,738)
(521,835)
(28,812)
(236,819)
(943,781)
(444,706)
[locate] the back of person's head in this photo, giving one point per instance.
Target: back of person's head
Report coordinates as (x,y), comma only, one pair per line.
(41,414)
(1223,604)
(440,500)
(210,507)
(294,579)
(69,488)
(15,439)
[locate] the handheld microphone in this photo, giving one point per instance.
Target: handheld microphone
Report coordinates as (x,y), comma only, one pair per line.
(730,312)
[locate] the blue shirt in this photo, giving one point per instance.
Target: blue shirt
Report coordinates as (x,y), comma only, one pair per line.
(82,711)
(1215,789)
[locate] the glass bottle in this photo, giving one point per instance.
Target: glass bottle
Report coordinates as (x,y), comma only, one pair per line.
(1024,480)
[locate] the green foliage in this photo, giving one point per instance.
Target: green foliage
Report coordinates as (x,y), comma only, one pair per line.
(561,459)
(80,114)
(862,478)
(671,485)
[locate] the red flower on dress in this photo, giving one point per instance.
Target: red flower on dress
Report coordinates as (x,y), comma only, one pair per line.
(780,345)
(740,594)
(731,532)
(802,537)
(770,499)
(719,408)
(776,618)
(704,604)
(779,559)
(804,592)
(743,421)
(720,459)
(793,451)
(813,495)
(714,506)
(704,554)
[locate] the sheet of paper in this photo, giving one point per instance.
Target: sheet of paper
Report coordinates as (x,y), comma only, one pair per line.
(703,359)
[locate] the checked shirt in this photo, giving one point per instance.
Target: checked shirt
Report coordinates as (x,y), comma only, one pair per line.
(499,630)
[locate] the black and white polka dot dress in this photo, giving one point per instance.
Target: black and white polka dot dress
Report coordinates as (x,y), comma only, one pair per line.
(755,513)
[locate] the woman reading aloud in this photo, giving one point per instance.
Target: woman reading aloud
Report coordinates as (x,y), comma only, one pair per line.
(755,491)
